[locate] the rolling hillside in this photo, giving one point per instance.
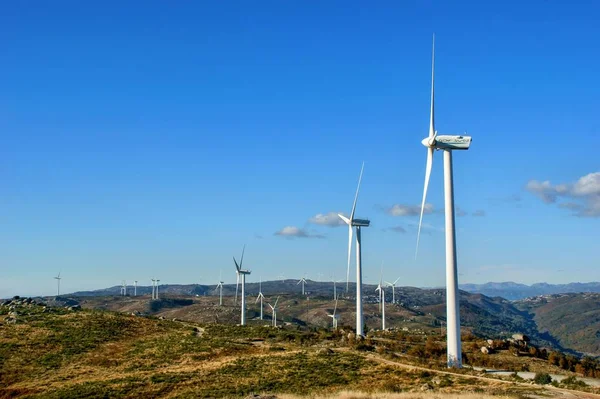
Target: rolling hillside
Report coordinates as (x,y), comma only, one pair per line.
(572,319)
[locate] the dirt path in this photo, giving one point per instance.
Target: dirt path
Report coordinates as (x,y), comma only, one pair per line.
(555,392)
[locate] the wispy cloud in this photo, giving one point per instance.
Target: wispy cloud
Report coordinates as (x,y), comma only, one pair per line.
(296,232)
(408,210)
(258,236)
(395,229)
(479,213)
(583,195)
(330,219)
(460,212)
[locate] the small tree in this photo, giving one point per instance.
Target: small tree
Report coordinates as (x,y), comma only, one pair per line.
(542,378)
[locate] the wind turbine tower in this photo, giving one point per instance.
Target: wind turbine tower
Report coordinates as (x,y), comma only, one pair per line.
(153,284)
(261,297)
(303,281)
(242,273)
(220,288)
(134,287)
(358,223)
(156,294)
(57,278)
(447,144)
(382,304)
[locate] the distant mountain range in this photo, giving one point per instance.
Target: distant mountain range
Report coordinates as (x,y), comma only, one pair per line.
(515,291)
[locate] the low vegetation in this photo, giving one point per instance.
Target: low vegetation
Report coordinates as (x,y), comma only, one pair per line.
(53,352)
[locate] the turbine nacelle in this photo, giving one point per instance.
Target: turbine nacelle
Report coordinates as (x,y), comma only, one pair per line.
(447,142)
(361,222)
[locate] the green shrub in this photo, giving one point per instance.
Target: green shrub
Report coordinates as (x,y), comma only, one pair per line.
(542,378)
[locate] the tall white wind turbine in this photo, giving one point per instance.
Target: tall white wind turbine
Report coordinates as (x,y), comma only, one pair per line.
(447,144)
(242,274)
(274,310)
(303,281)
(261,297)
(57,278)
(134,287)
(393,285)
(156,294)
(358,223)
(153,285)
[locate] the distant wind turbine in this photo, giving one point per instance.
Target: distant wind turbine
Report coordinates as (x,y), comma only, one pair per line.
(135,288)
(334,317)
(242,273)
(303,281)
(381,302)
(447,144)
(358,223)
(58,284)
(261,297)
(274,310)
(220,288)
(393,285)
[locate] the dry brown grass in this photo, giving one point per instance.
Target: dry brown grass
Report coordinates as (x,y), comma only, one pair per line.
(403,395)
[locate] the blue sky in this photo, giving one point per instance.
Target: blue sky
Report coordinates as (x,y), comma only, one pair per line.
(150,139)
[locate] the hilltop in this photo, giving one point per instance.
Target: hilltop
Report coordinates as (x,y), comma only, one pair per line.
(56,352)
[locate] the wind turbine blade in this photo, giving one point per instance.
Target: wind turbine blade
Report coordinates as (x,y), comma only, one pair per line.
(335,308)
(242,259)
(237,283)
(344,218)
(395,281)
(349,254)
(426,185)
(357,189)
(431,115)
(236,264)
(277,300)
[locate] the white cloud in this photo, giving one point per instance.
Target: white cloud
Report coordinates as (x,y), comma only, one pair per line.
(296,232)
(479,212)
(584,194)
(330,219)
(409,210)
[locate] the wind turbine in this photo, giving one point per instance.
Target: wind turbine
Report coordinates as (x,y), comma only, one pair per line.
(358,223)
(303,281)
(261,297)
(124,288)
(135,288)
(242,273)
(335,295)
(153,285)
(157,281)
(220,288)
(393,285)
(274,310)
(381,304)
(446,144)
(334,317)
(57,278)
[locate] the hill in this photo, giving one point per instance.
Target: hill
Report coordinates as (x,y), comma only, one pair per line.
(572,319)
(516,291)
(55,352)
